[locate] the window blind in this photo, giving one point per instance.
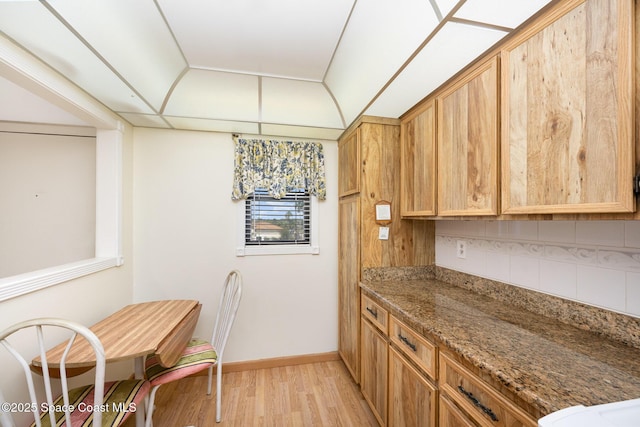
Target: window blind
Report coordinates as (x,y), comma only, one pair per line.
(284,221)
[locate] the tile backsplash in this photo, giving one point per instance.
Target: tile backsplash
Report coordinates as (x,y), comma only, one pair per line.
(592,262)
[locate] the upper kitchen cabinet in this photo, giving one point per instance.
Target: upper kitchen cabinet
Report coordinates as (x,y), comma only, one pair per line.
(467,143)
(568,111)
(418,161)
(349,165)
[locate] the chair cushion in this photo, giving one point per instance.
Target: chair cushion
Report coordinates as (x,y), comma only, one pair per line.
(197,356)
(121,398)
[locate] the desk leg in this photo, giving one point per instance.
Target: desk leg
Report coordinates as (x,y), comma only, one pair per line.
(139,373)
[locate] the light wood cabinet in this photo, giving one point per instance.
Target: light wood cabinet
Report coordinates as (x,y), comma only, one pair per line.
(373,379)
(450,416)
(483,404)
(409,380)
(467,143)
(415,347)
(349,165)
(567,111)
(418,168)
(349,283)
(374,313)
(412,398)
(369,165)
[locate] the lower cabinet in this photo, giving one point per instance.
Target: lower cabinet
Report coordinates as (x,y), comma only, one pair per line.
(373,370)
(412,398)
(408,380)
(451,416)
(483,404)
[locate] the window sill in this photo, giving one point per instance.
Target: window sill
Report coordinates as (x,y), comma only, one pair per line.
(13,286)
(277,250)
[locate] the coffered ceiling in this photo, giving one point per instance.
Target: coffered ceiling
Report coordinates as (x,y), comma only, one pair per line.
(299,68)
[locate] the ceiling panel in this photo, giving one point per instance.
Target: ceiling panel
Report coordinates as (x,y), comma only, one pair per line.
(133,38)
(145,120)
(37,30)
(248,66)
(301,132)
(213,125)
(445,6)
(370,53)
(280,38)
(211,94)
(451,49)
(298,102)
(508,14)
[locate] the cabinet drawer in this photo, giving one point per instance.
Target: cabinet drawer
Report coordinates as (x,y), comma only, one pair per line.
(414,346)
(375,313)
(483,404)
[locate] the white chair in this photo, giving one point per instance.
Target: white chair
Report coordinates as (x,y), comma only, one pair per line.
(108,403)
(200,354)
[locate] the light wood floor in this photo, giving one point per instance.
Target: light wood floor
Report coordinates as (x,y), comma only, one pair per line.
(316,394)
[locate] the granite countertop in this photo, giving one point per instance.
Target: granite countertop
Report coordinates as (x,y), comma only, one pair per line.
(545,363)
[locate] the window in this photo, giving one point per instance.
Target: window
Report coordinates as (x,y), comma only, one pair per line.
(275,180)
(284,221)
(278,226)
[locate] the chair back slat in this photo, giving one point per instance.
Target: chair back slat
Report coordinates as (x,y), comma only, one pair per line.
(30,384)
(45,373)
(228,306)
(75,330)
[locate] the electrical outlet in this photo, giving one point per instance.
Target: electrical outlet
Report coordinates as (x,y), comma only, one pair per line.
(461,249)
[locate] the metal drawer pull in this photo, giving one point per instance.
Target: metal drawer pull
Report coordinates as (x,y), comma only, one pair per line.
(406,341)
(477,403)
(374,313)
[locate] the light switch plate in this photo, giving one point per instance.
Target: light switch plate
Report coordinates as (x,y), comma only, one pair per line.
(383,233)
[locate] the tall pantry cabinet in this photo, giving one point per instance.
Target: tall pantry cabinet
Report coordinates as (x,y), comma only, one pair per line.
(368,173)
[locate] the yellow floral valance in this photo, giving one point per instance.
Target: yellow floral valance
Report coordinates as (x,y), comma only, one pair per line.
(278,167)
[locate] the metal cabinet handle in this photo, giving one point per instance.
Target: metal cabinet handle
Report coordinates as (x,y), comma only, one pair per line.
(477,403)
(407,342)
(374,313)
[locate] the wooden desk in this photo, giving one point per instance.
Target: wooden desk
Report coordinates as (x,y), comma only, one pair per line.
(137,330)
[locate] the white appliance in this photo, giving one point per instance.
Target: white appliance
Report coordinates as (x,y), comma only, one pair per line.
(617,414)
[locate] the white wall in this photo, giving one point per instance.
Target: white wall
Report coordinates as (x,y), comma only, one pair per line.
(48,191)
(593,262)
(185,240)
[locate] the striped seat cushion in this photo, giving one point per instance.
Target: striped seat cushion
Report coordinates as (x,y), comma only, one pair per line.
(121,398)
(199,355)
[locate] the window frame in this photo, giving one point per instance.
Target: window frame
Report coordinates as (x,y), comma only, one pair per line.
(312,248)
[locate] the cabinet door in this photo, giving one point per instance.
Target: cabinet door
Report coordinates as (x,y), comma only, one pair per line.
(468,144)
(349,164)
(451,416)
(418,162)
(373,379)
(567,111)
(412,399)
(348,284)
